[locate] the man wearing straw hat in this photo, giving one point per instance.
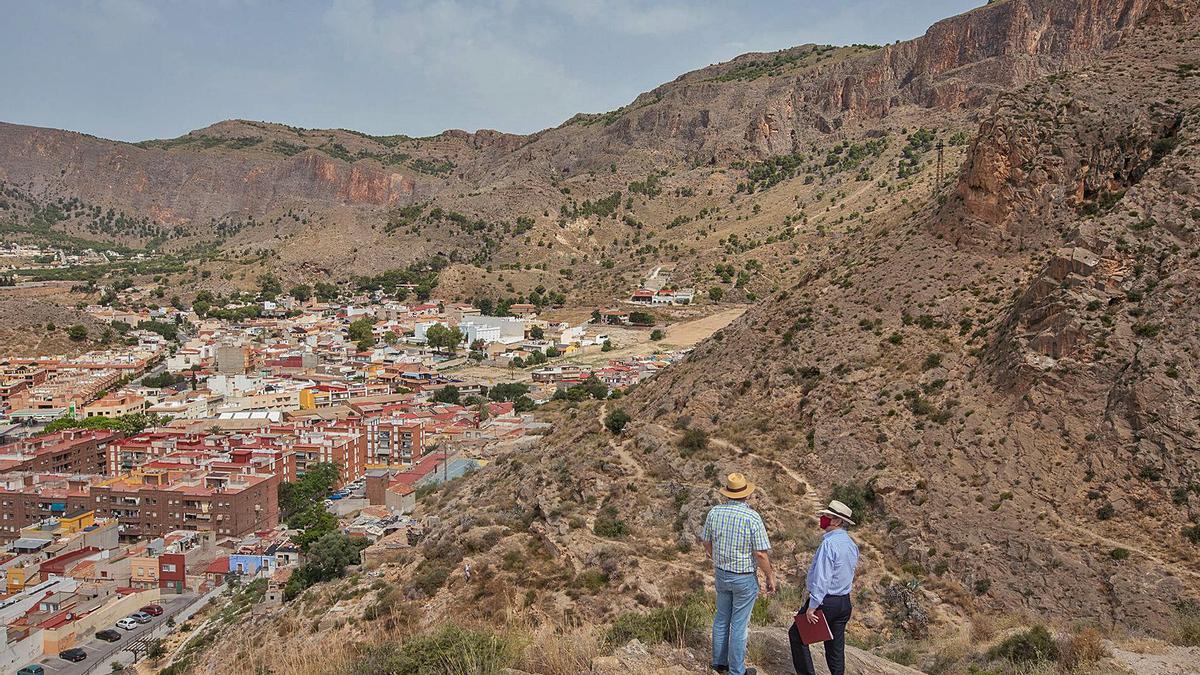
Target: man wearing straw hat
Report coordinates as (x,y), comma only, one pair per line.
(829,580)
(736,540)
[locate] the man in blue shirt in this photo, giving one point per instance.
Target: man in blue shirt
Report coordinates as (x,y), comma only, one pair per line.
(736,539)
(830,578)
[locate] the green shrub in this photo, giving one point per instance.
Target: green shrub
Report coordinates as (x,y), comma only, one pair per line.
(1035,644)
(616,420)
(1119,554)
(693,441)
(592,580)
(430,577)
(609,525)
(857,497)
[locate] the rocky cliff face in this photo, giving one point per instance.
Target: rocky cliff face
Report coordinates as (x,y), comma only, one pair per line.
(775,102)
(754,106)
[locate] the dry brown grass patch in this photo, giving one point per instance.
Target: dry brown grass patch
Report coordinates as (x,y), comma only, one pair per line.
(1081,649)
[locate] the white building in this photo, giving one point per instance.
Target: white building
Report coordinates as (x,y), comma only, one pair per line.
(421,328)
(512,330)
(474,331)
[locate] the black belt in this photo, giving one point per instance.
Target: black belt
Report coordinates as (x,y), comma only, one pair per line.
(730,572)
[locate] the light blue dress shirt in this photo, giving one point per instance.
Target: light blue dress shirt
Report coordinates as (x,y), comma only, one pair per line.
(832,569)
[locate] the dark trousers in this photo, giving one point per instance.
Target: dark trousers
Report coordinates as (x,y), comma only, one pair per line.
(837,613)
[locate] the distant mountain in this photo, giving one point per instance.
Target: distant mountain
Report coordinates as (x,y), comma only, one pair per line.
(250,185)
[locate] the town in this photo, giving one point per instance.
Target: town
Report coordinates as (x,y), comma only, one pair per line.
(207,448)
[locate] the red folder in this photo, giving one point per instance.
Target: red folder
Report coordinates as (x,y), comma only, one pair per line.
(813,632)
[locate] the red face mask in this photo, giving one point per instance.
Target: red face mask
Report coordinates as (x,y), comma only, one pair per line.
(826,521)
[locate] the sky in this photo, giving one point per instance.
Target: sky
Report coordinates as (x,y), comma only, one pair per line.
(140,69)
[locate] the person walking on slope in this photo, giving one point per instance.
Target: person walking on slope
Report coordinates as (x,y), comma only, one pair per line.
(830,578)
(736,540)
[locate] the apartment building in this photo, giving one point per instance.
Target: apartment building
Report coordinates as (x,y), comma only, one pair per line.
(82,451)
(28,498)
(391,441)
(151,503)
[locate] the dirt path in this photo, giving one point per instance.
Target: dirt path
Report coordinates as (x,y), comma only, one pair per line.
(1177,566)
(618,448)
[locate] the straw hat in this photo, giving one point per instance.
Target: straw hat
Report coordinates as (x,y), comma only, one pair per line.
(737,487)
(837,510)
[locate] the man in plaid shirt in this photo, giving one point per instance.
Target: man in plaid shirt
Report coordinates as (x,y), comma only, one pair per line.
(736,539)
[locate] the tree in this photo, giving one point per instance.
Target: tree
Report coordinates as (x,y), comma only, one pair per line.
(391,337)
(478,346)
(607,346)
(330,554)
(641,319)
(167,329)
(551,352)
(525,404)
(442,338)
(314,522)
(78,332)
(317,482)
(536,333)
(325,291)
(269,286)
(657,334)
(130,425)
(508,391)
(361,330)
(716,293)
(447,394)
(616,420)
(596,316)
(302,292)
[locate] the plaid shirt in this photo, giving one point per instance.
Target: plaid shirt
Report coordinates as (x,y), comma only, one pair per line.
(736,532)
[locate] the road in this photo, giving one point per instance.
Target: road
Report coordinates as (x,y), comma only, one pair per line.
(99,651)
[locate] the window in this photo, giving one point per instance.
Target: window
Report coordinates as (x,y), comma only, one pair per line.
(168,567)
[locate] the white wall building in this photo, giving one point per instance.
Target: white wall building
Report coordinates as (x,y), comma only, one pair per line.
(512,330)
(473,331)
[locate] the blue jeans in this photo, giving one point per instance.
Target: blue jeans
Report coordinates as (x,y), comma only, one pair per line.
(736,594)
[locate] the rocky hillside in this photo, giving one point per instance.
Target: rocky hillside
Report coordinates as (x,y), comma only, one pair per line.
(683,160)
(1000,376)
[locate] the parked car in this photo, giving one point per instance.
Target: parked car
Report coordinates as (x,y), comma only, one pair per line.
(153,610)
(141,617)
(108,635)
(74,655)
(32,669)
(127,624)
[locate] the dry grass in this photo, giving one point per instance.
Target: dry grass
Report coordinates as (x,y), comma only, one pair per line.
(551,651)
(1081,649)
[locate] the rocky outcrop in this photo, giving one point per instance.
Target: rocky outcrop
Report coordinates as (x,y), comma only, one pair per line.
(772,643)
(961,62)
